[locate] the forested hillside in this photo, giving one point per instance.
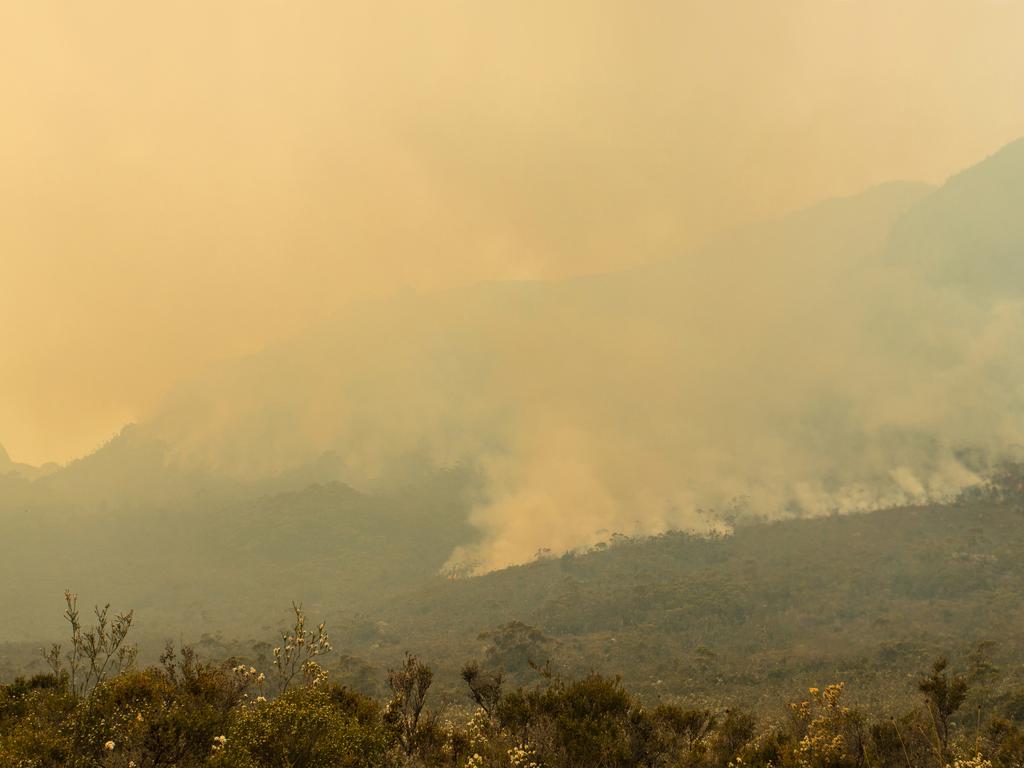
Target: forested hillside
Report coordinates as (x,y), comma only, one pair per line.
(745,617)
(886,639)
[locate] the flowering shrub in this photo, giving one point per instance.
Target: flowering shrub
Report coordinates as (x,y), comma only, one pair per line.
(828,732)
(298,653)
(523,756)
(95,653)
(977,761)
(303,726)
(186,713)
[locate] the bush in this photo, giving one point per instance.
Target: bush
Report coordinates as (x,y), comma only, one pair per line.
(310,727)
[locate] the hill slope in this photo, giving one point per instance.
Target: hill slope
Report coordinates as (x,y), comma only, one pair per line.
(750,617)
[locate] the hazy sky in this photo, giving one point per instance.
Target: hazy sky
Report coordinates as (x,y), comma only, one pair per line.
(187,181)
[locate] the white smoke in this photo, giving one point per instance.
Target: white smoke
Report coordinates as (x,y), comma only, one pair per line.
(813,365)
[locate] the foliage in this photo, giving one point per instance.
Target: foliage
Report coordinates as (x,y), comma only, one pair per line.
(409,685)
(299,650)
(306,726)
(95,652)
(189,713)
(943,695)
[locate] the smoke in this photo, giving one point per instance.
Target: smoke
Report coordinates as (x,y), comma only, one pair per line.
(807,366)
(192,181)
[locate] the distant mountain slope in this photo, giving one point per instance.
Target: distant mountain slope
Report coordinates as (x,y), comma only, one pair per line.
(134,472)
(619,402)
(752,617)
(846,357)
(13,469)
(203,561)
(968,236)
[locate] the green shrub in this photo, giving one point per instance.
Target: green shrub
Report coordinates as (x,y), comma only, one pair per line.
(309,727)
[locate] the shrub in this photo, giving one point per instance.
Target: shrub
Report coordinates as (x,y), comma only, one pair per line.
(312,727)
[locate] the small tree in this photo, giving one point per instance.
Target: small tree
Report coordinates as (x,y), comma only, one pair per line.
(298,652)
(484,688)
(943,696)
(96,653)
(409,685)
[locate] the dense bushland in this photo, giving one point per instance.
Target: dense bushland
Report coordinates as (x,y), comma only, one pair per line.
(749,617)
(97,708)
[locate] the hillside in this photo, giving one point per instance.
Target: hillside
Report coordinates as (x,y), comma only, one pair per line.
(231,564)
(747,617)
(805,503)
(578,399)
(967,235)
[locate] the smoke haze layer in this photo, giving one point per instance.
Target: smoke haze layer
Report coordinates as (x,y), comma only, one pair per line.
(192,181)
(835,359)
